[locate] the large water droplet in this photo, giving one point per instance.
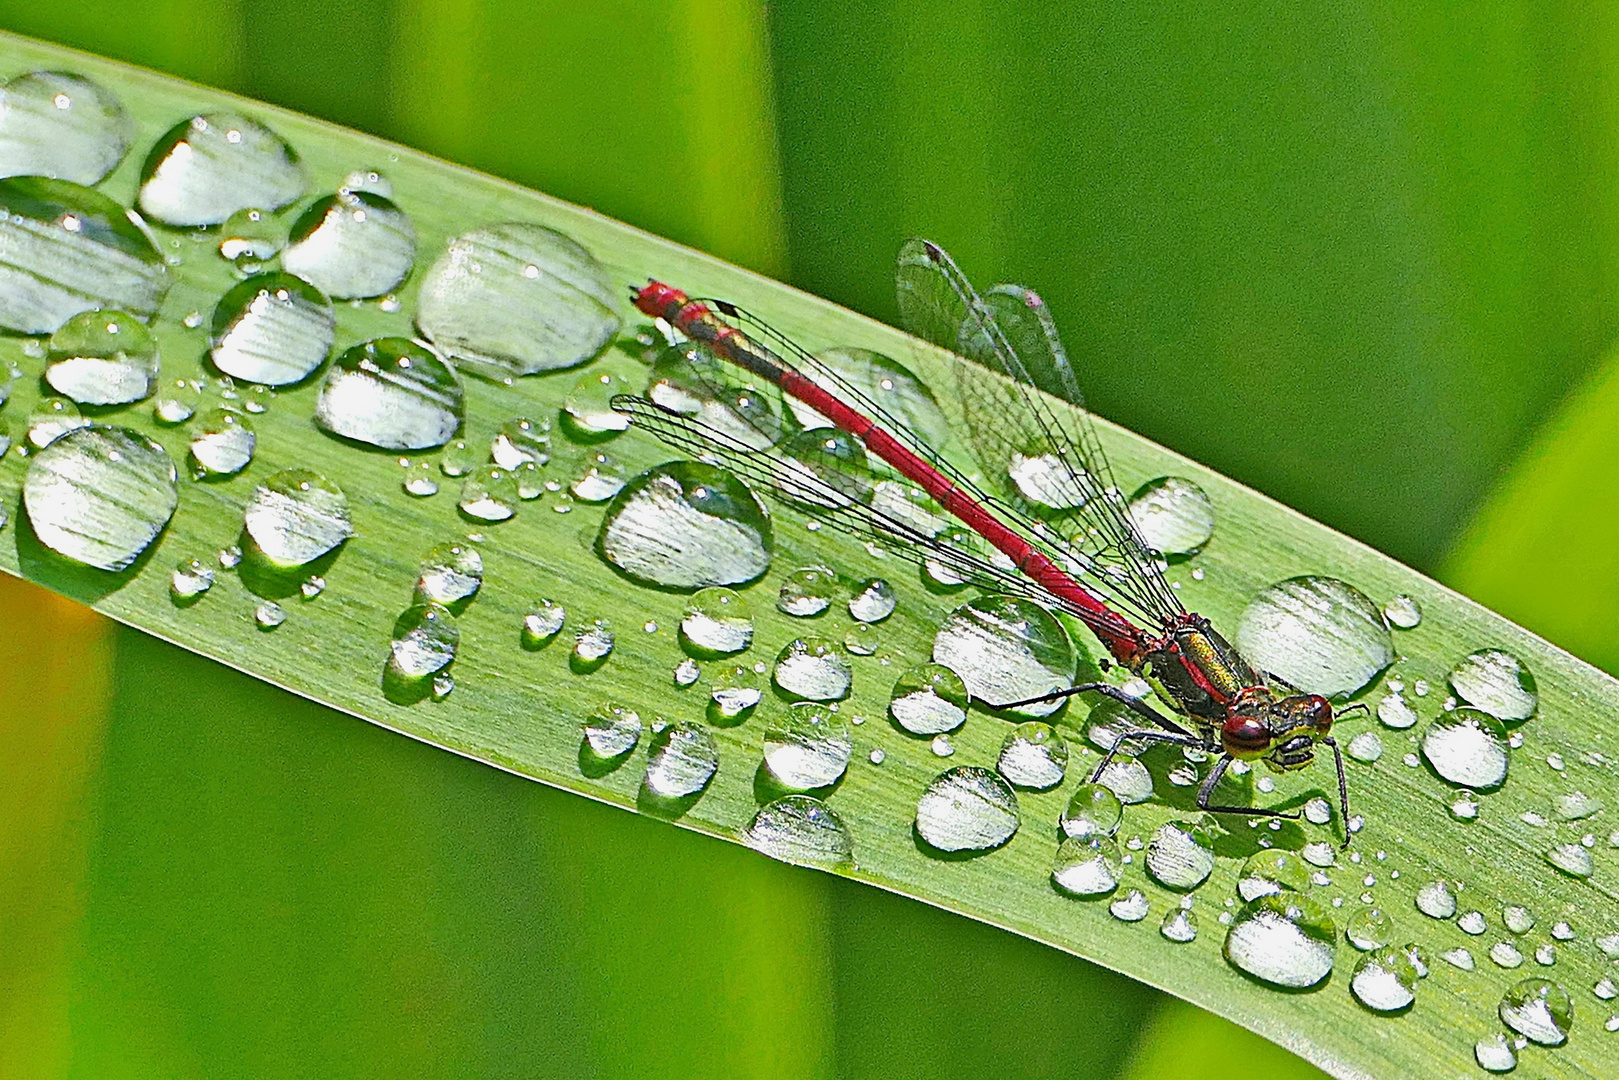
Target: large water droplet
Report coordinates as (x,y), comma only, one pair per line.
(814,669)
(1090,866)
(1497,683)
(1468,748)
(100,495)
(1173,515)
(451,574)
(612,731)
(807,591)
(716,623)
(274,329)
(391,393)
(222,443)
(681,761)
(61,125)
(1033,756)
(207,168)
(929,699)
(352,244)
(1368,928)
(102,358)
(425,639)
(967,808)
(800,829)
(1316,633)
(296,516)
(873,601)
(1284,939)
(1384,981)
(686,525)
(515,299)
(1007,649)
(1093,810)
(1180,854)
(66,249)
(1572,859)
(1539,1010)
(808,747)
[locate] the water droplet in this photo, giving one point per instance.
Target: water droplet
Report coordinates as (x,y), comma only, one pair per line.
(1472,922)
(813,668)
(102,358)
(1539,1010)
(521,441)
(100,495)
(425,639)
(1131,907)
(873,601)
(52,418)
(1272,871)
(1467,748)
(967,808)
(1093,810)
(716,623)
(589,405)
(1576,806)
(877,756)
(736,690)
(229,557)
(1173,515)
(1562,931)
(1316,633)
(1403,612)
(808,747)
(1369,929)
(191,578)
(392,393)
(1366,746)
(800,829)
(1497,683)
(1007,649)
(222,443)
(687,672)
(450,574)
(418,481)
(592,645)
(458,459)
(488,494)
(542,624)
(207,168)
(1505,954)
(883,383)
(1396,712)
(370,180)
(612,731)
(296,516)
(1179,926)
(69,249)
(1180,854)
(1319,853)
(1437,899)
(352,244)
(1465,806)
(269,615)
(1384,981)
(942,746)
(1606,990)
(1458,958)
(516,299)
(177,401)
(61,125)
(1088,866)
(1493,1054)
(250,239)
(601,479)
(807,591)
(687,525)
(1572,859)
(274,329)
(1128,779)
(681,761)
(1033,756)
(312,586)
(1284,939)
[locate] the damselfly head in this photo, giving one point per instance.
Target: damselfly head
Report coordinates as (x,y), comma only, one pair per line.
(655,299)
(1283,732)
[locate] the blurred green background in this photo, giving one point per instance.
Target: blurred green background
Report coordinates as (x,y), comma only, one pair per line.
(1355,255)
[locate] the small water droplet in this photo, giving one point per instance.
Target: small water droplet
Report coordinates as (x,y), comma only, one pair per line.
(1318,811)
(100,495)
(1128,779)
(177,401)
(222,443)
(1384,981)
(1465,806)
(1458,958)
(814,669)
(425,639)
(1606,990)
(1093,810)
(250,239)
(418,480)
(391,393)
(928,699)
(229,557)
(1467,748)
(1033,756)
(601,479)
(1366,746)
(1179,926)
(368,180)
(967,808)
(736,690)
(1394,711)
(592,645)
(208,167)
(681,761)
(802,830)
(488,494)
(1437,899)
(191,578)
(1572,859)
(1316,633)
(589,405)
(873,601)
(1497,683)
(1284,939)
(351,244)
(1494,1055)
(1472,922)
(521,441)
(807,592)
(1562,931)
(1180,854)
(942,746)
(450,574)
(687,525)
(272,328)
(716,623)
(1007,649)
(1539,1010)
(1505,954)
(102,358)
(1172,515)
(612,731)
(1131,907)
(1319,853)
(1403,612)
(1269,872)
(1087,866)
(808,747)
(269,615)
(312,586)
(296,516)
(1576,806)
(687,672)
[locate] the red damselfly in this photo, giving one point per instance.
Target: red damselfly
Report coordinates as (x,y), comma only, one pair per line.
(1050,514)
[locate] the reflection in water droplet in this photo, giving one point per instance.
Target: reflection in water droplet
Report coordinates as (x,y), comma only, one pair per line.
(392,393)
(1467,748)
(1366,746)
(716,623)
(191,578)
(451,573)
(593,645)
(207,168)
(272,328)
(425,639)
(873,601)
(1272,871)
(61,125)
(100,495)
(1131,907)
(687,525)
(1179,926)
(1572,859)
(1087,867)
(52,418)
(249,239)
(102,358)
(352,244)
(612,731)
(66,249)
(296,516)
(736,690)
(515,299)
(807,591)
(1180,854)
(488,494)
(967,808)
(1316,633)
(1395,711)
(1007,649)
(269,615)
(1033,756)
(681,761)
(813,668)
(1539,1010)
(1384,981)
(1368,929)
(177,401)
(1403,612)
(928,700)
(1172,515)
(1284,939)
(802,830)
(222,443)
(1497,683)
(542,624)
(808,747)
